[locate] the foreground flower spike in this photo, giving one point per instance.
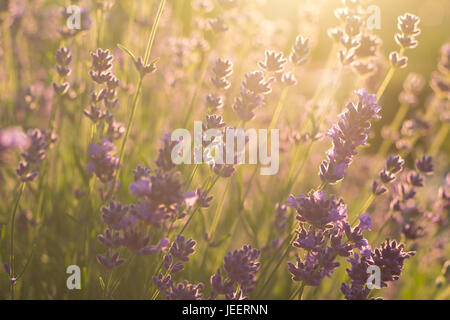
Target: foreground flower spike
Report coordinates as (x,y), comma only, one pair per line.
(241,268)
(348,134)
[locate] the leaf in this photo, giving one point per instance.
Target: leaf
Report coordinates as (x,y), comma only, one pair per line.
(128,51)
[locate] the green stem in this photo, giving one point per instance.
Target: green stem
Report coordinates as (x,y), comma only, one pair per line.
(136,95)
(387,79)
(11,254)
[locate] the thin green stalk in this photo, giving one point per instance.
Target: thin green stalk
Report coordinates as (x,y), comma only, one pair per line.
(137,93)
(11,253)
(388,78)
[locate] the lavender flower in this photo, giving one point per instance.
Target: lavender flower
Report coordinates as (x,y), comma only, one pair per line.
(299,51)
(390,258)
(185,291)
(109,261)
(241,268)
(425,164)
(222,69)
(182,248)
(103,162)
(348,134)
(274,62)
(317,209)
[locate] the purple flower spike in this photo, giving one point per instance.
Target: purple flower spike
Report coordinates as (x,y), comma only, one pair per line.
(317,210)
(182,248)
(350,132)
(185,291)
(108,261)
(425,164)
(365,222)
(241,266)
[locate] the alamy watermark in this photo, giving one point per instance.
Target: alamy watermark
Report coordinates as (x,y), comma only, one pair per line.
(74,20)
(74,280)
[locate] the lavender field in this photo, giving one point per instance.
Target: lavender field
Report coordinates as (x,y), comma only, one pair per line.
(224,149)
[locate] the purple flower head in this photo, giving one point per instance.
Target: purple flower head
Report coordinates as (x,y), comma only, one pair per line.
(114,213)
(425,164)
(241,266)
(354,236)
(309,240)
(164,160)
(299,51)
(394,164)
(349,133)
(255,83)
(150,212)
(166,188)
(415,179)
(103,162)
(358,271)
(222,69)
(221,286)
(203,199)
(317,210)
(390,257)
(308,270)
(274,62)
(142,187)
(404,191)
(141,172)
(377,188)
(162,283)
(135,240)
(185,291)
(109,261)
(111,239)
(182,248)
(365,222)
(355,291)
